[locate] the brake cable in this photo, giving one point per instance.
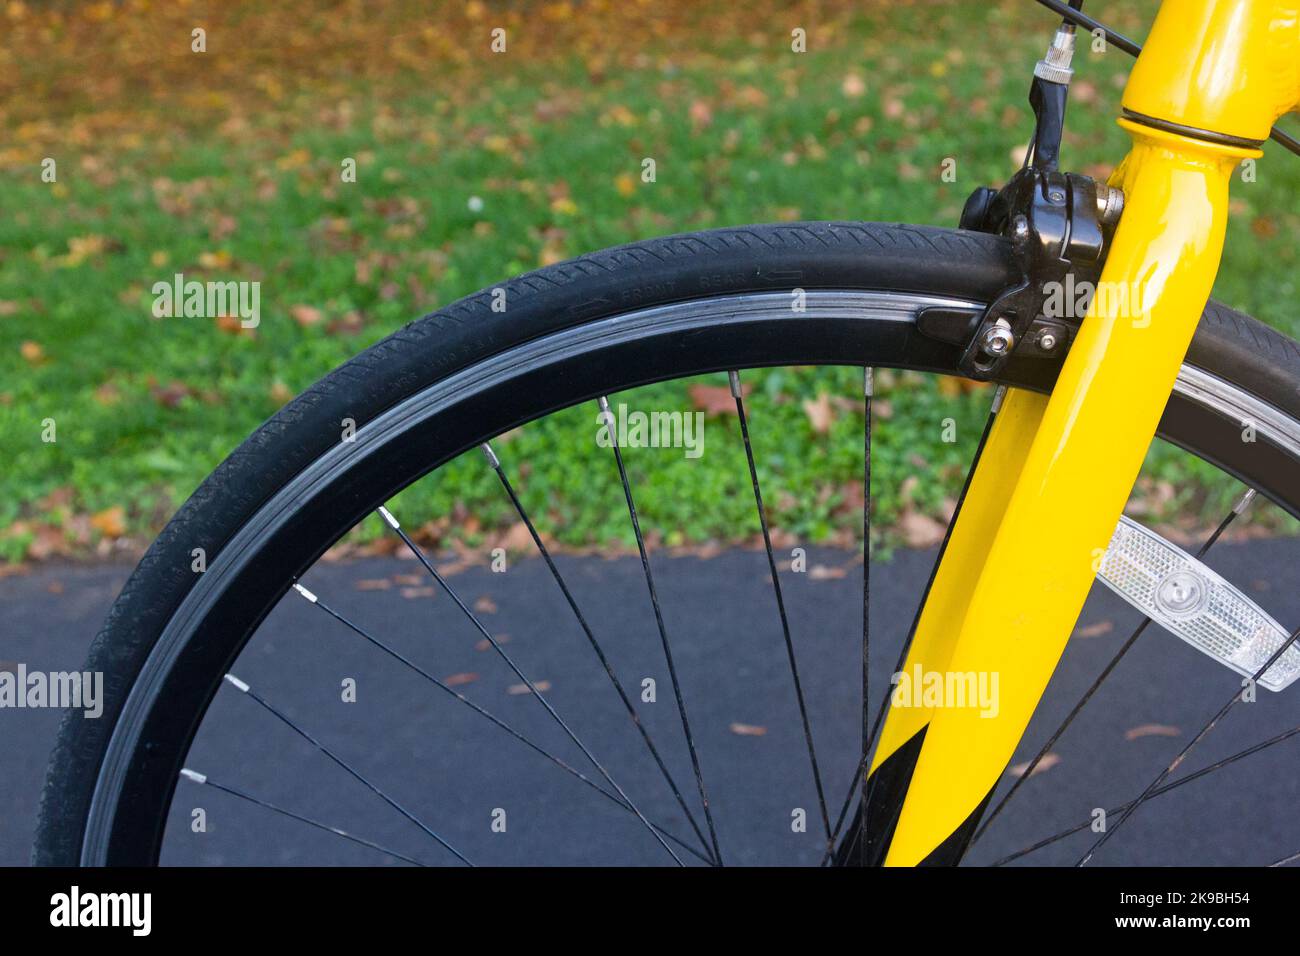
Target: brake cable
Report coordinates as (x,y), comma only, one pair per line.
(1076,16)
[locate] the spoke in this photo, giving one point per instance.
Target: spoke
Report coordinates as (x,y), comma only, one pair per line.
(1213,722)
(868,391)
(734,378)
(860,773)
(1056,735)
(595,645)
(532,688)
(1286,859)
(1237,509)
(663,631)
(481,711)
(203,779)
(1047,841)
(356,774)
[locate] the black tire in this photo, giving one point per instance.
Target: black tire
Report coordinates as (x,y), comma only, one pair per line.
(1231,347)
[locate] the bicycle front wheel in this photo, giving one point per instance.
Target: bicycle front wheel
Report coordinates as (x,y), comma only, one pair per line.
(665,309)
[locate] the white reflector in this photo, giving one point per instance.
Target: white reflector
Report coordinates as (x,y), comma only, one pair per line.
(1181,594)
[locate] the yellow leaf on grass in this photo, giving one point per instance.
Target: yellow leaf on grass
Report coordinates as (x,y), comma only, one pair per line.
(306,315)
(853,86)
(32,352)
(111,522)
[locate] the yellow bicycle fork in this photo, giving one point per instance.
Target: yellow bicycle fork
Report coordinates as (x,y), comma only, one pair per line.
(1056,470)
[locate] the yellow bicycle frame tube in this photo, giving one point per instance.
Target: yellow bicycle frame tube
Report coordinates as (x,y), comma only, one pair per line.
(1057,470)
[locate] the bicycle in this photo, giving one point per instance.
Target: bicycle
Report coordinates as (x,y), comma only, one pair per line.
(1035,525)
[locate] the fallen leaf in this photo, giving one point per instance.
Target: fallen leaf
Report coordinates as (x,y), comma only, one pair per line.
(1151,730)
(233,325)
(32,352)
(715,399)
(748,730)
(820,412)
(171,394)
(111,522)
(47,541)
(456,680)
(820,572)
(485,645)
(306,315)
(351,322)
(107,394)
(220,259)
(516,538)
(1264,226)
(541,685)
(485,605)
(1083,91)
(412,593)
(853,86)
(373,584)
(920,531)
(565,206)
(60,497)
(1049,761)
(701,115)
(1095,630)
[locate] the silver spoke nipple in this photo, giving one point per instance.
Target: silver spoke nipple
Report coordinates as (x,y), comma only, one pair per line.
(194,775)
(388,516)
(305,593)
(869,381)
(998,396)
(603,402)
(734,378)
(1245,501)
(490,455)
(236,683)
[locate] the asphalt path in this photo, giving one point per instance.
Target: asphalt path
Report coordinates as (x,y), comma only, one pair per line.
(500,802)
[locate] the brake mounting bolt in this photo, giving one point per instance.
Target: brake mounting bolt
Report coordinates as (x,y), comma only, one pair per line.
(998,338)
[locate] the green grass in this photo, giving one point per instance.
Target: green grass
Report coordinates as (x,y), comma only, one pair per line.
(145,408)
